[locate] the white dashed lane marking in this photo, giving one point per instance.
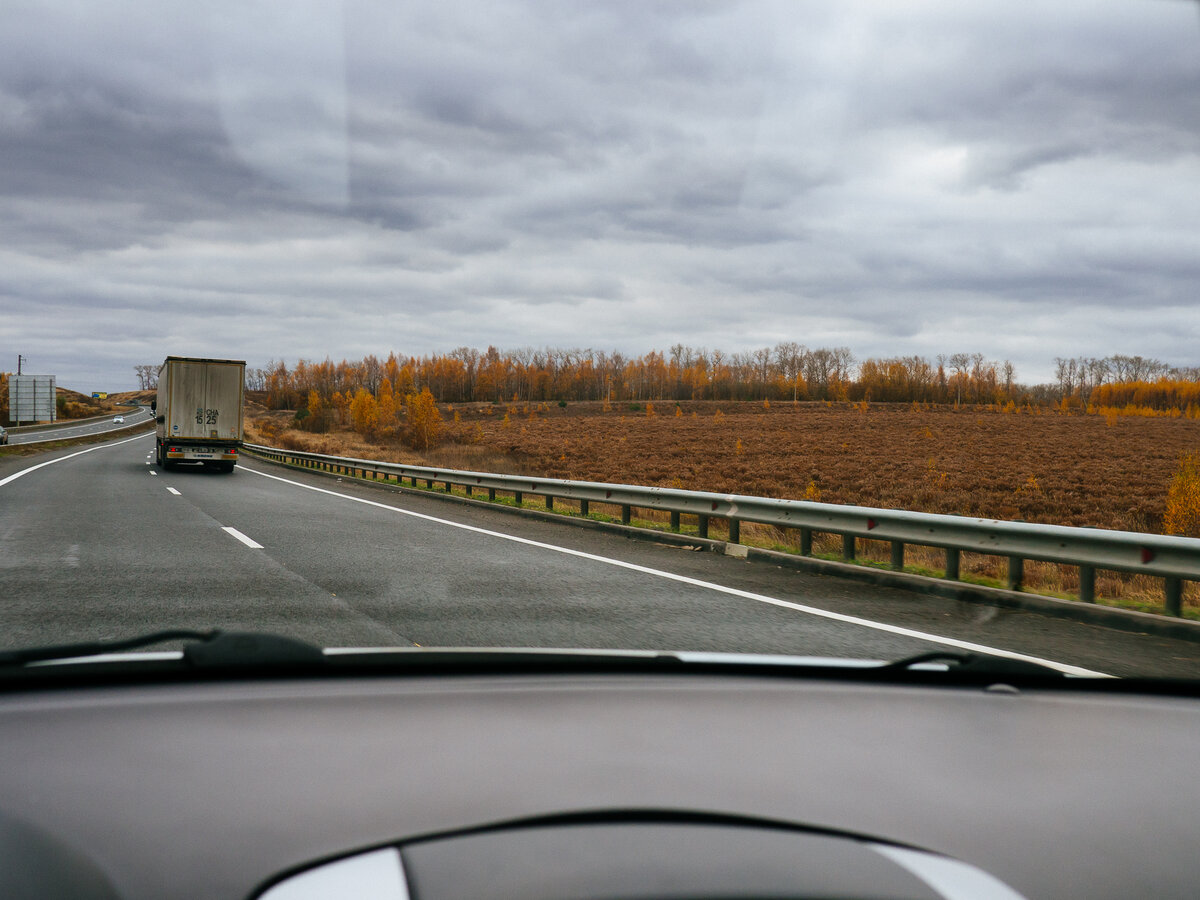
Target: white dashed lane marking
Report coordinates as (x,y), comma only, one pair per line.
(241,537)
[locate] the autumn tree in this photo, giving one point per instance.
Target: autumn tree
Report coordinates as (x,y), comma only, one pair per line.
(319,414)
(424,420)
(386,398)
(364,412)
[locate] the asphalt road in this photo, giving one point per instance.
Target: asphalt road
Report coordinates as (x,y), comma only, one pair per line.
(99,542)
(58,433)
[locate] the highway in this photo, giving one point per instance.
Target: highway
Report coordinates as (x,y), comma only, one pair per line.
(100,542)
(62,432)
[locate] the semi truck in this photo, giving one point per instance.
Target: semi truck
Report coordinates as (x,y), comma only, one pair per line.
(198,411)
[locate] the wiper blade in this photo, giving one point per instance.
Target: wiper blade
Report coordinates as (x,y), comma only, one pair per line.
(973,664)
(97,648)
(204,649)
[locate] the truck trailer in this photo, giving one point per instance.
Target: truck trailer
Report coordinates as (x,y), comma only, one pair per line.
(198,411)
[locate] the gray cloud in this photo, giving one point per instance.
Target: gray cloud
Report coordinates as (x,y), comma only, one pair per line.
(332,178)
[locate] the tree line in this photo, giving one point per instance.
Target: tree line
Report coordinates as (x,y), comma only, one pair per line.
(787,372)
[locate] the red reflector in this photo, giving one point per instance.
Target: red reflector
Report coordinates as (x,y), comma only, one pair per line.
(871,523)
(1147,555)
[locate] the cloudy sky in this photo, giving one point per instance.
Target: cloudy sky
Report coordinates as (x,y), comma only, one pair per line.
(319,178)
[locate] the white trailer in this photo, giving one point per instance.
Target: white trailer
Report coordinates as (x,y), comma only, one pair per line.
(198,411)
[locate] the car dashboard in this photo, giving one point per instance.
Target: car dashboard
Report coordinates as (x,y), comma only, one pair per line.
(601,785)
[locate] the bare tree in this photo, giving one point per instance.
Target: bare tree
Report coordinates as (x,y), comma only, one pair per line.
(147,376)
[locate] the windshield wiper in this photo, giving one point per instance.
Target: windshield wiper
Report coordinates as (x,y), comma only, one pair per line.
(222,651)
(204,649)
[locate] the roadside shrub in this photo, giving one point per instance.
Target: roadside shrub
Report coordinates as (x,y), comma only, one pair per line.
(1183,498)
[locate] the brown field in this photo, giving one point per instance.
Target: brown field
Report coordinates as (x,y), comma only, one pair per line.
(1069,470)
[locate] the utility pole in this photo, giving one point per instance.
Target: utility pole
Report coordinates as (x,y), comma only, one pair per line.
(19,358)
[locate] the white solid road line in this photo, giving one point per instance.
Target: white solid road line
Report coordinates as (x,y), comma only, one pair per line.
(15,475)
(175,492)
(671,576)
(241,537)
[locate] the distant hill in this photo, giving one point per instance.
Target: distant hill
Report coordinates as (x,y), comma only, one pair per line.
(132,396)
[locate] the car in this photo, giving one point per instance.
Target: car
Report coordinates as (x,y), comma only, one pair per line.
(3,435)
(118,420)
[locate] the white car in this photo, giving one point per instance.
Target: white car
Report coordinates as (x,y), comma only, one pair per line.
(118,420)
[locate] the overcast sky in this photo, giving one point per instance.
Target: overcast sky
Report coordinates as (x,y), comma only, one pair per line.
(316,178)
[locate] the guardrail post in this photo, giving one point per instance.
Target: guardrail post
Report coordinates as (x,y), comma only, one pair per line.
(517,498)
(702,525)
(675,521)
(1087,584)
(898,555)
(429,483)
(583,507)
(848,547)
(1174,599)
(806,542)
(491,493)
(467,488)
(449,488)
(1016,573)
(626,515)
(735,531)
(952,555)
(549,501)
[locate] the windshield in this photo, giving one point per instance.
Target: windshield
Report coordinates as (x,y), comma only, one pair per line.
(837,330)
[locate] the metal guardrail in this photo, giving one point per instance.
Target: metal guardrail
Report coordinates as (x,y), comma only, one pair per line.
(1174,559)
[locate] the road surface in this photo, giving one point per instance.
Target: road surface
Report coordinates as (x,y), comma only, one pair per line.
(100,542)
(60,432)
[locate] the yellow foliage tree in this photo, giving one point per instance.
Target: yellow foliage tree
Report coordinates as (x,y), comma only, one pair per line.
(387,410)
(341,403)
(424,420)
(364,412)
(318,413)
(1183,498)
(386,398)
